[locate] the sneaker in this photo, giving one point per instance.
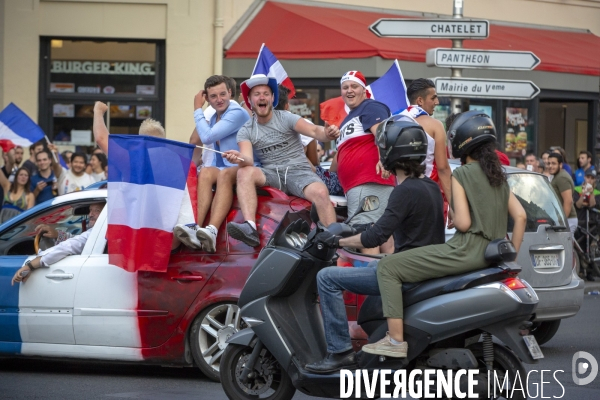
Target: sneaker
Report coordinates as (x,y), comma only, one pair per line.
(208,237)
(385,347)
(244,232)
(187,235)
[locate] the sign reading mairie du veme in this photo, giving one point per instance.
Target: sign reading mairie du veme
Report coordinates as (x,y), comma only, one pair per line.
(102,67)
(431,28)
(482,59)
(485,88)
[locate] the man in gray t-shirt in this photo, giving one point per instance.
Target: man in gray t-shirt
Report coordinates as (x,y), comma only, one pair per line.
(273,137)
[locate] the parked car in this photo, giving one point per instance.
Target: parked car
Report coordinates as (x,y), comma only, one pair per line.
(546,257)
(83,307)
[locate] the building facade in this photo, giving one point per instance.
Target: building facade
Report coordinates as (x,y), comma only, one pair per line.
(148,58)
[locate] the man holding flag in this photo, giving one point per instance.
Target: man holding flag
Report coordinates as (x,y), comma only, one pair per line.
(274,136)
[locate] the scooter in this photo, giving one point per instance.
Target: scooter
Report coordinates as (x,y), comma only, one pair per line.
(449,322)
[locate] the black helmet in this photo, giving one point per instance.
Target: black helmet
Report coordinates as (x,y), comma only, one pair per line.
(469,130)
(399,138)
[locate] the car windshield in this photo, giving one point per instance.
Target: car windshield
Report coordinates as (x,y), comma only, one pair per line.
(538,199)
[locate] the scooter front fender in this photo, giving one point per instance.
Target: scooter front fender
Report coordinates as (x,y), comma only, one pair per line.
(244,337)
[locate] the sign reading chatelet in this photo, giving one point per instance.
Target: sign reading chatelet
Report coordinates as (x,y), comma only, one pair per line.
(482,59)
(431,28)
(486,88)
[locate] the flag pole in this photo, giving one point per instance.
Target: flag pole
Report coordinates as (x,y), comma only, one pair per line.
(53,155)
(217,151)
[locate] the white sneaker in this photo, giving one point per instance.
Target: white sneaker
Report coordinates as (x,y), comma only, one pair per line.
(208,237)
(187,235)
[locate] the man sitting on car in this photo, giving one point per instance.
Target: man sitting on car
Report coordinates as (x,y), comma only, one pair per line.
(68,247)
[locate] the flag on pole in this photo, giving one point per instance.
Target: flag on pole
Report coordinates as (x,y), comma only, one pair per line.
(147,179)
(17,127)
(269,65)
(390,89)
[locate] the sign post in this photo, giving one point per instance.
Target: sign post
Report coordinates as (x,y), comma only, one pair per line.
(486,88)
(482,59)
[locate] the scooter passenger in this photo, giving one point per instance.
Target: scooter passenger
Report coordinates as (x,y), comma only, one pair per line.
(481,200)
(414,215)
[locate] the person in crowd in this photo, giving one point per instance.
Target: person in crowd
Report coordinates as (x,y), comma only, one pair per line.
(521,165)
(566,167)
(44,185)
(585,164)
(541,169)
(66,155)
(531,159)
(99,164)
(563,186)
(544,159)
(321,151)
(74,179)
(17,195)
(423,99)
(71,246)
(358,167)
(31,164)
(10,167)
(413,215)
(586,198)
(274,136)
(221,132)
(481,200)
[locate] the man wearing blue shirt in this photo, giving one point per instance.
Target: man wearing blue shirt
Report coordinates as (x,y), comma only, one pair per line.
(44,182)
(221,132)
(585,163)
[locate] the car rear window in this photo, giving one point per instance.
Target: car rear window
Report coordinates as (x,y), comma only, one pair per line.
(538,199)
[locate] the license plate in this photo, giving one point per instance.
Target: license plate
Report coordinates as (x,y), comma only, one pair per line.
(533,347)
(545,260)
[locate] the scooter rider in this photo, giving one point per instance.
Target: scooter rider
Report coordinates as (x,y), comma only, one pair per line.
(413,214)
(481,200)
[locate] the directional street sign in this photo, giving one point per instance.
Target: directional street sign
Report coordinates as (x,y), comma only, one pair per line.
(481,59)
(486,88)
(431,28)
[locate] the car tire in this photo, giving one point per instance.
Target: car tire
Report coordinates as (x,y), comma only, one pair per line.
(208,334)
(545,330)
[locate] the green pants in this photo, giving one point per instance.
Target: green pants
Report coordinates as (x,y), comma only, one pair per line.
(461,254)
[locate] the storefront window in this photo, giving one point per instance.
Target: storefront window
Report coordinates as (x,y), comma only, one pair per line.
(518,133)
(306,104)
(126,75)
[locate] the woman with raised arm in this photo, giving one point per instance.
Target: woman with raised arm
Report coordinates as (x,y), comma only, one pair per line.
(17,195)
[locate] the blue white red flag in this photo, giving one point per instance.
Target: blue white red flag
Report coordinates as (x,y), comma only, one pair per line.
(17,127)
(390,89)
(269,65)
(147,179)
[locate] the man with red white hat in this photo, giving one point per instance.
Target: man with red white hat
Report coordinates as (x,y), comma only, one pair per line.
(359,170)
(273,136)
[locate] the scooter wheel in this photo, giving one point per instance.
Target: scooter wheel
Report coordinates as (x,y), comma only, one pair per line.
(267,380)
(506,364)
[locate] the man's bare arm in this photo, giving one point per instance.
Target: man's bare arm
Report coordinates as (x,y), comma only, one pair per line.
(99,127)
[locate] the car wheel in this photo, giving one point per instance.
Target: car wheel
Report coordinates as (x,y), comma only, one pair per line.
(209,333)
(544,331)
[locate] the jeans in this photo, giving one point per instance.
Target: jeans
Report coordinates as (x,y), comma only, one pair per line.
(332,281)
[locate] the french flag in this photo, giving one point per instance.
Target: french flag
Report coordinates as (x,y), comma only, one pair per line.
(390,89)
(18,128)
(269,65)
(147,179)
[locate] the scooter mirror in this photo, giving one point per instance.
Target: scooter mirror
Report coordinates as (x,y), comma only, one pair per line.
(369,203)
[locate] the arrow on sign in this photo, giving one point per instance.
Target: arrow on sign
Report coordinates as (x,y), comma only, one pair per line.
(482,59)
(431,28)
(486,88)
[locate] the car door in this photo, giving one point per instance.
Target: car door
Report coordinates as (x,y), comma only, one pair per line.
(117,308)
(41,309)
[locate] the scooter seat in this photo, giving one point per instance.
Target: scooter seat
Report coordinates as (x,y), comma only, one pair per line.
(412,293)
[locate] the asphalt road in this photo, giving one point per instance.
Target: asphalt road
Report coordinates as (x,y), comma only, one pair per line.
(35,379)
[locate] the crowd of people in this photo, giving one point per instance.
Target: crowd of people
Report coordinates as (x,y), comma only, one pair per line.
(41,177)
(402,158)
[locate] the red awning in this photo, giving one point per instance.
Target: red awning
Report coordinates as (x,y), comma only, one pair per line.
(307,32)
